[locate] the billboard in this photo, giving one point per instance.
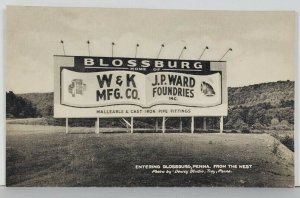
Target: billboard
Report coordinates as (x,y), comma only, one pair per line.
(87,86)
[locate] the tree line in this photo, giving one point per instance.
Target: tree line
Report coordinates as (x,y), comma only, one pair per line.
(18,107)
(257,116)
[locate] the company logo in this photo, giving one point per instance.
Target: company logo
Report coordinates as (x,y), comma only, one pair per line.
(207,89)
(77,87)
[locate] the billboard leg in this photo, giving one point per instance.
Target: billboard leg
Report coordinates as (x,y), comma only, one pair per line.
(204,124)
(67,125)
(97,129)
(192,124)
(221,124)
(180,125)
(156,124)
(164,125)
(131,125)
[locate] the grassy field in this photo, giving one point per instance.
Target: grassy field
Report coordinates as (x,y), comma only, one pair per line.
(46,156)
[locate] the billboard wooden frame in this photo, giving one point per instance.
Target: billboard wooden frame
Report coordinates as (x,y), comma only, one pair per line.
(62,111)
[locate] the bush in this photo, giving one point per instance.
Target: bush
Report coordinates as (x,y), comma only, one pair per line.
(274,121)
(288,141)
(245,130)
(257,125)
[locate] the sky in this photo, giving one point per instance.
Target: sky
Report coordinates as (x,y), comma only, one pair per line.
(263,43)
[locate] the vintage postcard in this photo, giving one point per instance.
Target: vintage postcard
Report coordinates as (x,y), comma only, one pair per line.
(141,97)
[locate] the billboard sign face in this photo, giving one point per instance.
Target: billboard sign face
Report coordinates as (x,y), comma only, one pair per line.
(137,87)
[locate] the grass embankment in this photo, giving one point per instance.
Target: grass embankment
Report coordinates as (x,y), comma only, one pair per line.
(46,156)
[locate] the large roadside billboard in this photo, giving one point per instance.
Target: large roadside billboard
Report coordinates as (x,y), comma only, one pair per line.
(138,87)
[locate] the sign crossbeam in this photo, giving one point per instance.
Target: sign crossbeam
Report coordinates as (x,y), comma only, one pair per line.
(128,123)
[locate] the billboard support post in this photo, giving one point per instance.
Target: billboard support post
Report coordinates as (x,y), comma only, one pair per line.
(164,124)
(131,125)
(204,123)
(67,125)
(221,124)
(180,125)
(156,124)
(97,129)
(192,124)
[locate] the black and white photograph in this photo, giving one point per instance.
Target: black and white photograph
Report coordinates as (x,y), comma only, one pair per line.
(119,97)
